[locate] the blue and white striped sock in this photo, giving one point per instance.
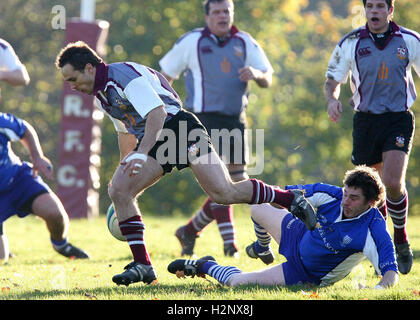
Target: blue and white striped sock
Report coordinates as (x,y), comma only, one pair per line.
(57,244)
(220,273)
(263,238)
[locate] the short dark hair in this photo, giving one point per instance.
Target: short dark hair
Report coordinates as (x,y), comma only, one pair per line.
(390,3)
(206,4)
(78,54)
(368,180)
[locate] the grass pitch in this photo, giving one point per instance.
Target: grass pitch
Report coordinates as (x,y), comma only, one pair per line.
(37,272)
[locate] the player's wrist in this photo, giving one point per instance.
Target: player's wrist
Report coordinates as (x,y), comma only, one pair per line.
(136,156)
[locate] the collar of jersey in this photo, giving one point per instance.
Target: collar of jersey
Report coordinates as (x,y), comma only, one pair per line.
(365,31)
(340,217)
(207,33)
(101,78)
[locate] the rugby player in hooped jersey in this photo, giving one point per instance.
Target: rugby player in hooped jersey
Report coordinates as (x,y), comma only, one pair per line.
(219,61)
(148,115)
(378,58)
(350,228)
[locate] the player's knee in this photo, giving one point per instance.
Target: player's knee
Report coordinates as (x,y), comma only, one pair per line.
(394,187)
(220,196)
(239,176)
(118,194)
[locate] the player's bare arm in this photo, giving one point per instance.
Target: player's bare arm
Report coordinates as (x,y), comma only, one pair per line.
(18,77)
(154,124)
(263,79)
(332,93)
(40,163)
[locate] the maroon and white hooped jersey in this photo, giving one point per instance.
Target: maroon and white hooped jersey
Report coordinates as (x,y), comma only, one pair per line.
(381,78)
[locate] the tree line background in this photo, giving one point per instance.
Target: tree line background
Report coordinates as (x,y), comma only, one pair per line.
(301,144)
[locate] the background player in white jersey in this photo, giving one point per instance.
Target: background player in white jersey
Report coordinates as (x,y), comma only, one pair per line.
(378,57)
(219,61)
(147,111)
(350,228)
(13,72)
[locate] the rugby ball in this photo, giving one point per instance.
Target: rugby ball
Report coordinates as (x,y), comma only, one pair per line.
(112,223)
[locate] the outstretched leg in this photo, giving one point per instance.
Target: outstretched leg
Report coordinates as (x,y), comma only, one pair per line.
(48,207)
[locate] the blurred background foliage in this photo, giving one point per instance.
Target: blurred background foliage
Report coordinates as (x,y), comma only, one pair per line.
(301,144)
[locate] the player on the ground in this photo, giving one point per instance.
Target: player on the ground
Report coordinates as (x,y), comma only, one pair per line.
(350,229)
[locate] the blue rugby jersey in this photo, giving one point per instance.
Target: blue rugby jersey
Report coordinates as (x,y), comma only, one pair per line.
(333,250)
(128,91)
(381,77)
(211,69)
(11,129)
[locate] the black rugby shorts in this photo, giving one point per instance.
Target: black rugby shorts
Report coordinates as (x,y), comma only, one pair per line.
(374,134)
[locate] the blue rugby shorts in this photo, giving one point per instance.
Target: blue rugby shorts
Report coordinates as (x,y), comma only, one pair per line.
(18,197)
(292,231)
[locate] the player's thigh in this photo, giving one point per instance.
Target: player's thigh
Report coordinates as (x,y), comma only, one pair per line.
(270,218)
(126,185)
(48,205)
(269,277)
(211,173)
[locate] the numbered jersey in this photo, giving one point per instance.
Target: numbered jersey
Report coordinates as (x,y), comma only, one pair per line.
(381,79)
(128,91)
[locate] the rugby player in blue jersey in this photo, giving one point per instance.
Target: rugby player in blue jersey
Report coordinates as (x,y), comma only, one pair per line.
(22,191)
(379,58)
(218,62)
(155,136)
(350,228)
(14,73)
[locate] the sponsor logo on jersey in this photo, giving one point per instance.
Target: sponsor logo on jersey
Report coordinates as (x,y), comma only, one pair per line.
(363,52)
(206,49)
(238,51)
(225,65)
(346,240)
(383,71)
(289,225)
(401,53)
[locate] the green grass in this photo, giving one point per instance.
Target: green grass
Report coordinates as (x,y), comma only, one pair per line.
(38,273)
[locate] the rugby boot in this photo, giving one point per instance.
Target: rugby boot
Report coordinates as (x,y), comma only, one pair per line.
(230,250)
(267,256)
(72,252)
(302,209)
(186,240)
(187,267)
(404,257)
(135,272)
